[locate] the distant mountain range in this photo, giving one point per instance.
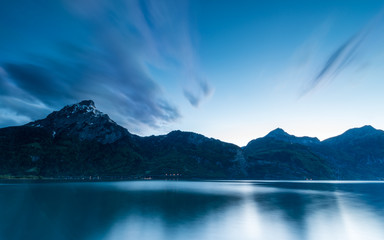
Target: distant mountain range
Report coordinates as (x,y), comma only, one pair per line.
(79,140)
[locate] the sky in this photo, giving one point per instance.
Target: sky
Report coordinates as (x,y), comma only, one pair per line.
(228,69)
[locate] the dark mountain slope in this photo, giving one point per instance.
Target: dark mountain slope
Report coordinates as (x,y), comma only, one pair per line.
(271,158)
(192,155)
(34,151)
(356,154)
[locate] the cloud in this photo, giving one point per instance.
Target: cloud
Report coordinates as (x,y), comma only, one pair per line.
(37,81)
(343,56)
(126,94)
(12,119)
(195,94)
(337,62)
(110,64)
(16,105)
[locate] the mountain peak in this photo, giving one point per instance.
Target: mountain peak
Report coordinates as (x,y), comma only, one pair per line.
(367,129)
(86,106)
(355,134)
(84,121)
(88,103)
(278,132)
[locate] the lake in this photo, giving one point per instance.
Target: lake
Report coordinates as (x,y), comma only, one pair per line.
(277,210)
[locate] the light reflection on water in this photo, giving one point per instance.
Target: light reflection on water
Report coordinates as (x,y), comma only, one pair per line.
(193,210)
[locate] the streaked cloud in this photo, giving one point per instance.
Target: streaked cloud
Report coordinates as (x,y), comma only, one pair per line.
(344,55)
(200,90)
(111,65)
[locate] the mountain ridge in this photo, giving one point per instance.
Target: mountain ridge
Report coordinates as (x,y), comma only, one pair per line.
(88,106)
(80,140)
(280,134)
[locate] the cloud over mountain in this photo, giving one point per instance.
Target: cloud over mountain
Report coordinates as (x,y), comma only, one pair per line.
(106,55)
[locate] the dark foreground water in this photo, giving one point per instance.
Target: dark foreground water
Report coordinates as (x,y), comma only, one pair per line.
(193,210)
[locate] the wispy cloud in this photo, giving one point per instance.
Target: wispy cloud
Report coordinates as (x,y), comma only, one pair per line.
(199,90)
(343,56)
(124,38)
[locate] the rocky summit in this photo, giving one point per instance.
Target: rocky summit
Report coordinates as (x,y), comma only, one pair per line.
(280,134)
(84,121)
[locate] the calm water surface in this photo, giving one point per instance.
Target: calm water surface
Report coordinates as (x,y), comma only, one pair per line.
(193,210)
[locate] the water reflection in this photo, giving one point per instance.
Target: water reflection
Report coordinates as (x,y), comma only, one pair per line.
(192,210)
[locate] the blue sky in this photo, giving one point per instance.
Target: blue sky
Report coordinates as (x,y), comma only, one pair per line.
(232,70)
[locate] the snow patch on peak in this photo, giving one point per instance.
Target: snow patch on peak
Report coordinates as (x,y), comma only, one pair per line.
(84,107)
(89,103)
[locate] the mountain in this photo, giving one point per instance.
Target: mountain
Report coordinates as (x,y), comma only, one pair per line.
(79,140)
(356,136)
(356,154)
(192,155)
(84,121)
(279,155)
(280,134)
